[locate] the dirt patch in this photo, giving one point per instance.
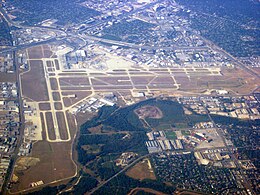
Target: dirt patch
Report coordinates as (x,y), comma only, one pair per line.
(24,163)
(186,111)
(95,130)
(141,171)
(149,112)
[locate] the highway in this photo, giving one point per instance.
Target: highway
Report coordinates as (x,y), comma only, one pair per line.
(62,34)
(84,37)
(132,45)
(25,46)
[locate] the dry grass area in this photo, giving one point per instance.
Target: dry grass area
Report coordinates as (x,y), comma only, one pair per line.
(56,96)
(62,125)
(141,171)
(72,97)
(43,126)
(49,162)
(67,101)
(44,106)
(54,84)
(163,80)
(33,82)
(54,164)
(234,80)
(142,80)
(58,106)
(50,125)
(83,117)
(71,81)
(24,163)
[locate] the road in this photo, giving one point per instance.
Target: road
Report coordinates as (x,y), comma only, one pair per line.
(61,33)
(87,37)
(123,170)
(25,46)
(21,128)
(228,55)
(19,141)
(145,156)
(230,149)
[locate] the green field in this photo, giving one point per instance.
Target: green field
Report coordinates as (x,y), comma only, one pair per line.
(170,135)
(173,116)
(185,133)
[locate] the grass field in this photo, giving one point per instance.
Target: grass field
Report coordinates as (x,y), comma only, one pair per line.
(170,135)
(164,127)
(185,133)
